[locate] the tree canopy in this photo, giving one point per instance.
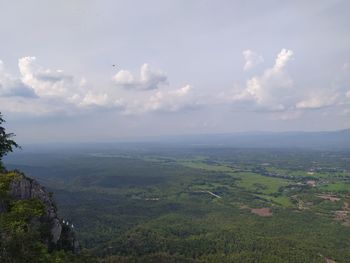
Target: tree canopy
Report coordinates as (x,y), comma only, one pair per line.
(6,143)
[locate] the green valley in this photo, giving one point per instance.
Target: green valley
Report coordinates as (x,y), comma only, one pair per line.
(201,204)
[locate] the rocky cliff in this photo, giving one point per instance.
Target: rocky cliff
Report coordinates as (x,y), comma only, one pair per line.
(19,187)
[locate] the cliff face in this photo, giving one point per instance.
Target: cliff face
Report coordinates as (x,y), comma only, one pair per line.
(60,235)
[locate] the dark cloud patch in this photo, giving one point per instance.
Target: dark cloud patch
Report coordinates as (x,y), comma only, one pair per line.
(16,89)
(53,77)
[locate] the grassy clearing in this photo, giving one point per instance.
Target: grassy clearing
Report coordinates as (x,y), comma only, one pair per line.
(207,167)
(261,184)
(297,173)
(336,187)
(283,201)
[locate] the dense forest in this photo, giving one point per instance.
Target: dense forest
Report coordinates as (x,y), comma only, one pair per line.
(200,204)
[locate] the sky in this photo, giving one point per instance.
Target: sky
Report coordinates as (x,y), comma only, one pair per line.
(89,71)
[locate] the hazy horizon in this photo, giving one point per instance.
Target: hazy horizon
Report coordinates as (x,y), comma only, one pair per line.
(318,140)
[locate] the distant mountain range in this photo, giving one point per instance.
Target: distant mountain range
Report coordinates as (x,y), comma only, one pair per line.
(323,140)
(315,140)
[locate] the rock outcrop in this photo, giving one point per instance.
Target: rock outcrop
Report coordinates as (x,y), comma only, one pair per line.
(24,188)
(61,236)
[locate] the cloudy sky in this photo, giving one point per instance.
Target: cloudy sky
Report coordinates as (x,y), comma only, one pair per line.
(88,70)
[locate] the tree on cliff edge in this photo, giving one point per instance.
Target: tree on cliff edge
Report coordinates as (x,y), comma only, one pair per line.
(6,143)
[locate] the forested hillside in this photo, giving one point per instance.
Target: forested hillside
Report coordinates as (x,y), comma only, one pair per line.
(30,229)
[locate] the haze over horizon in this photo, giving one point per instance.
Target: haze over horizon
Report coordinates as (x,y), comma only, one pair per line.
(90,71)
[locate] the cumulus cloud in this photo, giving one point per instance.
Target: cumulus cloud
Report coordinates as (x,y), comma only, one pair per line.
(252,59)
(273,92)
(334,94)
(157,95)
(59,86)
(183,91)
(44,82)
(172,100)
(53,90)
(56,91)
(11,86)
(94,99)
(148,79)
(282,59)
(273,89)
(165,100)
(50,90)
(317,101)
(124,78)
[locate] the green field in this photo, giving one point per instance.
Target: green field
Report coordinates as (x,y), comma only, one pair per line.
(337,187)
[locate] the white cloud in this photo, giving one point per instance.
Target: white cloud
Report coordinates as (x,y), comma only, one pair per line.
(45,82)
(124,78)
(167,100)
(282,59)
(334,94)
(58,86)
(50,91)
(183,91)
(172,100)
(54,91)
(11,86)
(93,99)
(157,94)
(149,79)
(317,101)
(273,90)
(252,59)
